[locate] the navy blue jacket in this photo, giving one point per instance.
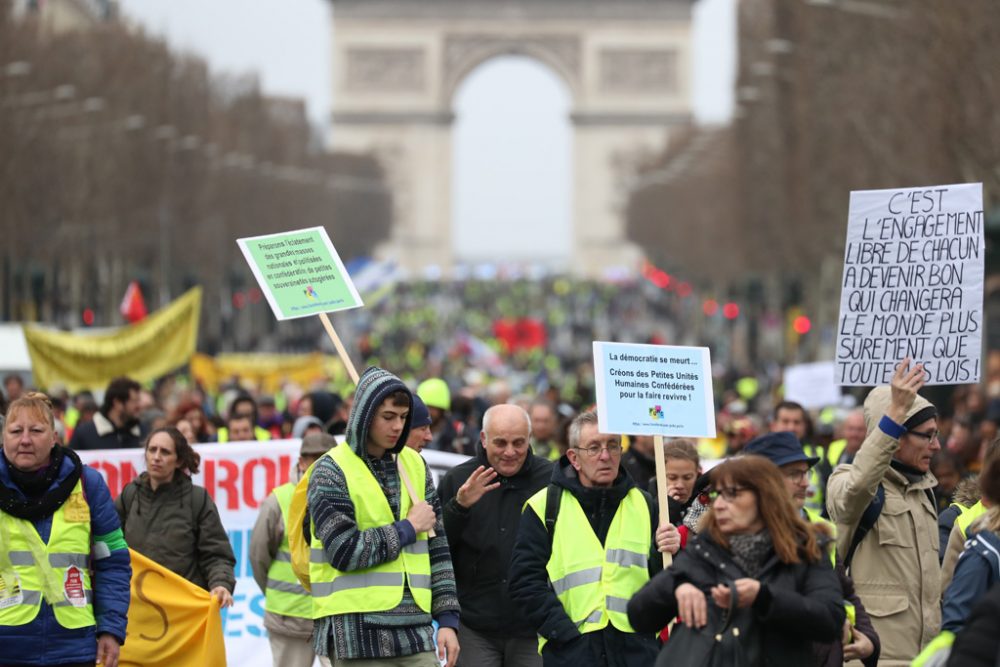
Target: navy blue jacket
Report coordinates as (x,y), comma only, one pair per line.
(43,641)
(977,570)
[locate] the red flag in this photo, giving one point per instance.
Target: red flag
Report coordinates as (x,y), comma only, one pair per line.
(133,306)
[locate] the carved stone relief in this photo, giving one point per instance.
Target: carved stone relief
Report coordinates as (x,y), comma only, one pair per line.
(462,52)
(638,70)
(385,69)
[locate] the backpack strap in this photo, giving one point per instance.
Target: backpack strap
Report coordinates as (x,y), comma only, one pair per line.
(128,496)
(867,522)
(552,501)
(195,513)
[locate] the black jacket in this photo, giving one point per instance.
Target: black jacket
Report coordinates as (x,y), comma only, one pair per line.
(797,604)
(978,644)
(481,539)
(101,433)
(538,604)
(640,467)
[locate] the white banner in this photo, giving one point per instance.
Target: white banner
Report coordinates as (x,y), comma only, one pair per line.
(812,385)
(913,285)
(238,476)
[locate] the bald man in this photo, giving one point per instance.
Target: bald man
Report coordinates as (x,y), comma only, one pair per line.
(482,501)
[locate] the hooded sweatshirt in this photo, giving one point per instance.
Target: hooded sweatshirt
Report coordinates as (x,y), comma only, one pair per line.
(406,629)
(895,569)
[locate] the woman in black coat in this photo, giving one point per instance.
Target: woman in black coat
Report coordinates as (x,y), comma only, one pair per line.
(787,595)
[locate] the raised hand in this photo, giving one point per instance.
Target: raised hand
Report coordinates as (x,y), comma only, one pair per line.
(480,482)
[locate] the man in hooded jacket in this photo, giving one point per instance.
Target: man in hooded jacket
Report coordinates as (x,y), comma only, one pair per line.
(895,567)
(572,585)
(380,568)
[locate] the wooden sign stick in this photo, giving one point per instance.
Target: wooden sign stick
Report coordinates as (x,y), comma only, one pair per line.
(661,489)
(349,365)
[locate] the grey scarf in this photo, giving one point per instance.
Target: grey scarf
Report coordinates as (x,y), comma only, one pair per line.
(750,551)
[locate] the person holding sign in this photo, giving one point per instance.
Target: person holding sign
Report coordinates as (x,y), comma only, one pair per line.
(597,538)
(378,574)
(887,519)
(64,565)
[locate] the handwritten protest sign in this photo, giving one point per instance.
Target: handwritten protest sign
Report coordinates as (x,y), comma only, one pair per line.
(300,273)
(913,285)
(654,390)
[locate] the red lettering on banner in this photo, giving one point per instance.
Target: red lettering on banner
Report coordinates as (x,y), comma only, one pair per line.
(229,483)
(116,475)
(270,476)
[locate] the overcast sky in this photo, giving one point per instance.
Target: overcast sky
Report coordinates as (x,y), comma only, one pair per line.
(288,44)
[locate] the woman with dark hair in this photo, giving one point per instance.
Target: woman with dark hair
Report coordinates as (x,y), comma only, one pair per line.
(753,547)
(194,413)
(174,522)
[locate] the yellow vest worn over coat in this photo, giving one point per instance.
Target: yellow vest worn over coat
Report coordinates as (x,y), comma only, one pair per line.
(378,588)
(59,571)
(594,581)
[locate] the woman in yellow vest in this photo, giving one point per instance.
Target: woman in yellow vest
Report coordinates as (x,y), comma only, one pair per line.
(754,543)
(174,522)
(58,527)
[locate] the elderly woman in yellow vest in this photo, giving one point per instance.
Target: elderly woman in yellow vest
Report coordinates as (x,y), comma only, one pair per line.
(754,547)
(174,522)
(288,606)
(596,537)
(64,566)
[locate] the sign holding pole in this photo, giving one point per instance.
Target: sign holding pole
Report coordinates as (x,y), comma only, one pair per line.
(913,285)
(656,390)
(301,274)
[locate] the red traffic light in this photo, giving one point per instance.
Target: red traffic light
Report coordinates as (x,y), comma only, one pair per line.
(730,311)
(802,325)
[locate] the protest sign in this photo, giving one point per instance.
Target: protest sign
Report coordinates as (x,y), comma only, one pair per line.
(654,390)
(812,385)
(913,285)
(238,476)
(300,273)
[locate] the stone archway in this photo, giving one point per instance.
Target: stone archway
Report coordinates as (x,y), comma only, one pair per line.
(398,63)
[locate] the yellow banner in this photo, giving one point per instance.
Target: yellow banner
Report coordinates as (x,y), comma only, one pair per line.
(161,343)
(267,371)
(171,622)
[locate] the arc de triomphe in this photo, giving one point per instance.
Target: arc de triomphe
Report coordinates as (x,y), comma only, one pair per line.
(398,64)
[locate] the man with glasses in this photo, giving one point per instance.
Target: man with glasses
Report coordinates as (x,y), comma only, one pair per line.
(888,487)
(585,544)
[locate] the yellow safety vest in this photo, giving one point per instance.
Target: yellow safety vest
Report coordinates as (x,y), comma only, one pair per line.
(284,594)
(377,588)
(834,451)
(814,500)
(259,434)
(814,517)
(967,515)
(593,581)
(58,571)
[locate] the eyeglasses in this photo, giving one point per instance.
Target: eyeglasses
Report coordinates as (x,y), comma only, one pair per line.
(796,475)
(593,451)
(927,437)
(728,493)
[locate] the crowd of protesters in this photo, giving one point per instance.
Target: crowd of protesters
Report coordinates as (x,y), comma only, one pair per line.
(887,507)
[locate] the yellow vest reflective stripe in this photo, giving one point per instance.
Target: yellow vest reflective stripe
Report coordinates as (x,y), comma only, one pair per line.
(593,581)
(284,594)
(378,588)
(967,515)
(58,571)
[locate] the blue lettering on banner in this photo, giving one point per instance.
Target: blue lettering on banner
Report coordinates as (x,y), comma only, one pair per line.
(246,616)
